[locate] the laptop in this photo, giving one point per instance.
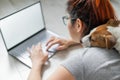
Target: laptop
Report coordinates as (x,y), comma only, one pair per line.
(23,29)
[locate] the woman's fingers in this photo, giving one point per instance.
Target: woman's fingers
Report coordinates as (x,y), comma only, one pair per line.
(53,43)
(34,48)
(50,40)
(29,51)
(39,46)
(46,56)
(53,40)
(61,47)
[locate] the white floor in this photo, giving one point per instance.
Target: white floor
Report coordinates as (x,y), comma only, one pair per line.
(116,5)
(11,69)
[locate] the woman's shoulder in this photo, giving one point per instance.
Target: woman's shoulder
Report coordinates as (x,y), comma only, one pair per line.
(94,53)
(101,51)
(92,61)
(100,54)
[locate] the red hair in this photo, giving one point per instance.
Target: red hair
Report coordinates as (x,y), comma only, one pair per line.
(103,10)
(91,12)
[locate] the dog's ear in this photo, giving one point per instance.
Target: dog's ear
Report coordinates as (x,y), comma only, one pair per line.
(110,41)
(114,23)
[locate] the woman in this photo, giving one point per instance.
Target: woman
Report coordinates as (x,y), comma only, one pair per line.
(90,63)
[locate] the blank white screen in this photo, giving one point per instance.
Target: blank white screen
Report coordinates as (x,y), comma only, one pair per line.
(22,25)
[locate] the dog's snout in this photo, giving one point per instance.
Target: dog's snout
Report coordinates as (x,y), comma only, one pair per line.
(86,41)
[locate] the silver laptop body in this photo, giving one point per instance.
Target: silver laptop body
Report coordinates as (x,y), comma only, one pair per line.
(23,29)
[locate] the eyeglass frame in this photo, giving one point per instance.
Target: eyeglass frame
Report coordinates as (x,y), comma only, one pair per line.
(66,17)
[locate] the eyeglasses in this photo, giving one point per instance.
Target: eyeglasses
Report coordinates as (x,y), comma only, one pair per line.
(66,18)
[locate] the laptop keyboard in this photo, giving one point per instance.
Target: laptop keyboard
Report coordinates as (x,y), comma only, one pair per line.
(21,50)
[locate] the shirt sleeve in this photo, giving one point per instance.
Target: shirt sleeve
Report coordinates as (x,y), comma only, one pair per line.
(75,65)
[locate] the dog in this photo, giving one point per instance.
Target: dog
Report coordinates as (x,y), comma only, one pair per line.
(104,36)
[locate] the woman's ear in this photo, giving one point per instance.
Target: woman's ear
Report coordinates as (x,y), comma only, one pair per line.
(78,25)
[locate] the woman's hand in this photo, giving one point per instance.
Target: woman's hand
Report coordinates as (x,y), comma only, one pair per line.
(63,43)
(38,59)
(37,56)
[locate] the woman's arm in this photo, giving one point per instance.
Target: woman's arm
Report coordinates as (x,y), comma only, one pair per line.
(61,73)
(38,59)
(35,73)
(63,43)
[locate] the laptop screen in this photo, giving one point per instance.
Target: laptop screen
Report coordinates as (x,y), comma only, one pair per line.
(21,25)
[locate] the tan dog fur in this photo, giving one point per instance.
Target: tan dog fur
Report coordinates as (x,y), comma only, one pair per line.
(102,37)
